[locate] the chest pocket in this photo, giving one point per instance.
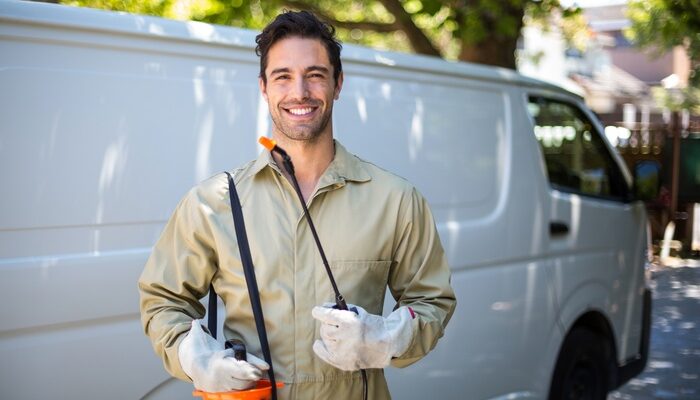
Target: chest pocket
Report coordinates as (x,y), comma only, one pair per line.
(362,283)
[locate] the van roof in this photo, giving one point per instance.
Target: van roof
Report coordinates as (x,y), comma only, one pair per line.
(86,19)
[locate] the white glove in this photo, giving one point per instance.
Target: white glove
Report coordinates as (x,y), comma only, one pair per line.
(352,341)
(214,369)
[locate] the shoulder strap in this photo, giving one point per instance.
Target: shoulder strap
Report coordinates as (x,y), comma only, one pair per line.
(251,282)
(211,311)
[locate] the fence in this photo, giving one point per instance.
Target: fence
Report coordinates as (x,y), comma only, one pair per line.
(654,142)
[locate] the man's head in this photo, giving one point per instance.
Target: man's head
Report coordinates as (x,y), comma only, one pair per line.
(300,76)
(301,24)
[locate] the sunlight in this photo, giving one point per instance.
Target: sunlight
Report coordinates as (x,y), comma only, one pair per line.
(113,164)
(382,59)
(415,140)
(362,108)
(575,218)
(386,91)
(204,139)
(262,125)
(198,85)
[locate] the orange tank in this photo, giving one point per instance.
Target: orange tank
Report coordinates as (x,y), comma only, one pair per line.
(263,391)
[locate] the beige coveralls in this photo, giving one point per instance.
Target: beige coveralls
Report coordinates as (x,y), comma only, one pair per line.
(376,230)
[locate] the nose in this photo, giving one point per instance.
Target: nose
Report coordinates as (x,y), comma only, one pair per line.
(300,89)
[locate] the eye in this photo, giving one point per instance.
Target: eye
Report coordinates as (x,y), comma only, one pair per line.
(281,77)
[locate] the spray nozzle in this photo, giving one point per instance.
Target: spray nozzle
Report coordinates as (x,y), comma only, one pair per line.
(267,142)
(271,145)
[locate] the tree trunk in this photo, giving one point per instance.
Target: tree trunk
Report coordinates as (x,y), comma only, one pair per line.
(497,49)
(500,53)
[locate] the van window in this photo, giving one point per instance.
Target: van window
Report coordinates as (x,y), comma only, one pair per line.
(576,157)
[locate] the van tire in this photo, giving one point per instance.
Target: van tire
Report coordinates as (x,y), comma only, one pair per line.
(583,367)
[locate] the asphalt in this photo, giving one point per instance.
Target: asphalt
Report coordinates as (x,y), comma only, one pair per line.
(673,369)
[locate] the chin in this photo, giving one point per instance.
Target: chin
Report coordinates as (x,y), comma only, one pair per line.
(303,137)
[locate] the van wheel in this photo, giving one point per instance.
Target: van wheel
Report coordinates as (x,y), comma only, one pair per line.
(583,367)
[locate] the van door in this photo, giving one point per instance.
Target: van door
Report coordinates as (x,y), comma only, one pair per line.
(596,234)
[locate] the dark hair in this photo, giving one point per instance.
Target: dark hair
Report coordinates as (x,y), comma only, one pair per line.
(302,24)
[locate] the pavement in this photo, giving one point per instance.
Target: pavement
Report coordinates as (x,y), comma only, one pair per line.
(673,369)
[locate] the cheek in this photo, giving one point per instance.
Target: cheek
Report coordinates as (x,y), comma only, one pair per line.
(275,91)
(324,91)
(273,98)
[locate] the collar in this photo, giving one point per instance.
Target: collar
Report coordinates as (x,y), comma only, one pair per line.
(344,167)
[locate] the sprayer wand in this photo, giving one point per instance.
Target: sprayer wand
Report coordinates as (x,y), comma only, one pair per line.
(272,146)
(340,304)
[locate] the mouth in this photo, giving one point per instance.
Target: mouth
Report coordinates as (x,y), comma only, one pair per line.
(301,111)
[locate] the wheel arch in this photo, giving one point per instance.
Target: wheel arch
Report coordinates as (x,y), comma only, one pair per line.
(595,321)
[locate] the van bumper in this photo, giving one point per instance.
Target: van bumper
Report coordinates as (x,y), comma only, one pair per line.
(636,365)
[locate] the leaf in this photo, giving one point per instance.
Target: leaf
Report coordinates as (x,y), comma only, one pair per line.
(432,7)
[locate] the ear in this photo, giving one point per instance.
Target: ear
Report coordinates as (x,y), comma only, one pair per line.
(338,86)
(263,88)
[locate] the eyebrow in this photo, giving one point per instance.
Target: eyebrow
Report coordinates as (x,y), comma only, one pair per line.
(279,71)
(285,70)
(320,68)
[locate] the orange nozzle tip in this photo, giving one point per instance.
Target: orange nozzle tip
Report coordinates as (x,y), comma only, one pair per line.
(267,142)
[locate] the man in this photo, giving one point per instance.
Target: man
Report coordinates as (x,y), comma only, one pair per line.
(376,229)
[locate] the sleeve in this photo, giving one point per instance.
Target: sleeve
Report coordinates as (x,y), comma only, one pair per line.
(175,277)
(420,278)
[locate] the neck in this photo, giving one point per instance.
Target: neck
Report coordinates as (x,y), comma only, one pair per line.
(310,158)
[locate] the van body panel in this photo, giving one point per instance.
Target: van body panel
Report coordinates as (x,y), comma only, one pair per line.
(170,388)
(460,175)
(586,281)
(108,119)
(499,300)
(53,284)
(79,360)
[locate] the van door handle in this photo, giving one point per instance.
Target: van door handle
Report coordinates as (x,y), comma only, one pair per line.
(557,228)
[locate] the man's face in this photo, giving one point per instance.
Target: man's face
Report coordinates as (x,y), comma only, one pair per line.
(300,88)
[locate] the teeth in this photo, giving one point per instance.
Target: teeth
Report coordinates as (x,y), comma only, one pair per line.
(300,111)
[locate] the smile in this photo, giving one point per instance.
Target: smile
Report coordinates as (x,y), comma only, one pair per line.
(301,111)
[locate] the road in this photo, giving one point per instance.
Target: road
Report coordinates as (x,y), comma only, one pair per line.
(673,370)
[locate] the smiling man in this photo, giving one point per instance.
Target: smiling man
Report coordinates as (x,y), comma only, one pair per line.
(300,108)
(377,231)
(300,84)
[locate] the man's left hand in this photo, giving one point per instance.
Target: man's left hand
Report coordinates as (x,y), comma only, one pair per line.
(352,341)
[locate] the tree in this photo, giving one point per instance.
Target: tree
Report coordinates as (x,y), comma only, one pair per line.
(481,31)
(662,25)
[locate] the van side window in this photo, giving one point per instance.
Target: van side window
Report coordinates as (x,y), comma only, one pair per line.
(576,157)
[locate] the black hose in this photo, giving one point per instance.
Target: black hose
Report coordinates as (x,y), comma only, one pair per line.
(339,299)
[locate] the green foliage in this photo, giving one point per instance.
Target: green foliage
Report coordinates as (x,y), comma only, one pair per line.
(678,99)
(663,24)
(147,7)
(252,14)
(447,24)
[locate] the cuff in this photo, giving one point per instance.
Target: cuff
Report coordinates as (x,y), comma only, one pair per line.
(171,360)
(408,331)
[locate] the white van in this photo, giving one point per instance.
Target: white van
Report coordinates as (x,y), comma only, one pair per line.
(108,119)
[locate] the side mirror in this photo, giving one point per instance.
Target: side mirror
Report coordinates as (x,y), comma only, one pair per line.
(647,180)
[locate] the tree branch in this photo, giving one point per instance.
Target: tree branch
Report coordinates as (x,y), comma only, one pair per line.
(419,41)
(403,22)
(361,25)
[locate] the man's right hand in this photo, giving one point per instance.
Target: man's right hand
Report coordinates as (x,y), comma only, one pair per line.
(214,369)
